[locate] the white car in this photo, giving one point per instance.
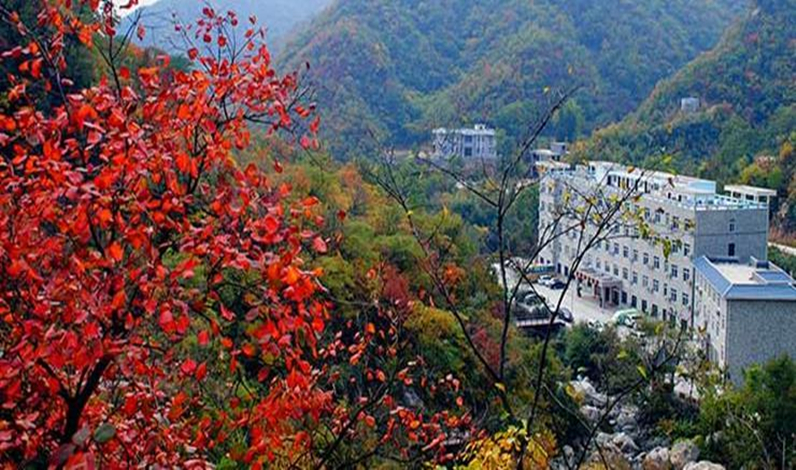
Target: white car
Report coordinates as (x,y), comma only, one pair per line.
(546,280)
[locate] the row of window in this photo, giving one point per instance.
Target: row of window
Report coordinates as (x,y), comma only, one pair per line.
(633,253)
(674,270)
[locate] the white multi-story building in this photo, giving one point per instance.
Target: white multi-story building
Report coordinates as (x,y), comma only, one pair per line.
(683,212)
(476,143)
(746,312)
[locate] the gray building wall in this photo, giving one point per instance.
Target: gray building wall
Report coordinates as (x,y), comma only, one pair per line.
(758,331)
(713,236)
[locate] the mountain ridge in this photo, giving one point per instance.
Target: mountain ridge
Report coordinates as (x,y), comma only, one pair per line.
(447,63)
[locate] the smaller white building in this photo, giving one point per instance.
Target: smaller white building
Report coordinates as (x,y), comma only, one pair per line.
(478,143)
(747,312)
(751,193)
(689,104)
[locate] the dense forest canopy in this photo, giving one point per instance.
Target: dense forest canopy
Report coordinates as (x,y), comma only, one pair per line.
(400,68)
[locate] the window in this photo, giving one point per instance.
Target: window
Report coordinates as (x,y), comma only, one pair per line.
(599,264)
(732,226)
(686,274)
(624,273)
(731,249)
(646,258)
(675,272)
(656,263)
(686,249)
(645,281)
(616,270)
(685,299)
(625,251)
(616,248)
(635,255)
(655,285)
(673,295)
(635,277)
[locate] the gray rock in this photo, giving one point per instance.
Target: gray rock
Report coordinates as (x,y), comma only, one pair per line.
(703,465)
(657,459)
(591,413)
(625,443)
(603,438)
(627,417)
(614,458)
(590,394)
(682,453)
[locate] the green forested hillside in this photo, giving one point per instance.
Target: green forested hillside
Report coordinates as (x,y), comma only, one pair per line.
(744,127)
(401,67)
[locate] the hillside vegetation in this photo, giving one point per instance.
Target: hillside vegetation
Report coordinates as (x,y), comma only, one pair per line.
(744,127)
(398,68)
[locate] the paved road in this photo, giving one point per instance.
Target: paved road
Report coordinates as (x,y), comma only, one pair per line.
(583,309)
(784,248)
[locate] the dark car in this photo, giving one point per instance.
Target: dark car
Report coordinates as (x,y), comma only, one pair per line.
(558,284)
(566,315)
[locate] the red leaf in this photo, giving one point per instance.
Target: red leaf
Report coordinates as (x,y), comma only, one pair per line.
(119,300)
(226,314)
(188,367)
(203,338)
(201,371)
(319,245)
(271,224)
(116,252)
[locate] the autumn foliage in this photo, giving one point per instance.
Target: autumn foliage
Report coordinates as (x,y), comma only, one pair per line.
(154,305)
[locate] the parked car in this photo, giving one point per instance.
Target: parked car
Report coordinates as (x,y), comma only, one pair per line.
(546,280)
(557,284)
(596,325)
(566,315)
(628,317)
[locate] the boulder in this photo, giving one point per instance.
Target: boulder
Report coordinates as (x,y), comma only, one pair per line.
(590,413)
(627,417)
(657,459)
(703,465)
(611,457)
(683,453)
(625,443)
(590,394)
(603,438)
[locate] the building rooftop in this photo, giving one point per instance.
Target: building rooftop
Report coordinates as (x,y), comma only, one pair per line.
(754,281)
(478,129)
(685,191)
(744,189)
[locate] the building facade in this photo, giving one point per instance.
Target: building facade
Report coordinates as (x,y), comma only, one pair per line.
(746,311)
(628,269)
(478,143)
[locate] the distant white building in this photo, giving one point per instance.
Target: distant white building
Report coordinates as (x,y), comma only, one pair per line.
(477,143)
(552,154)
(689,104)
(747,312)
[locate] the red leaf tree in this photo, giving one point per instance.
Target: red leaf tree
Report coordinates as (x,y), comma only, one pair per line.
(154,307)
(122,219)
